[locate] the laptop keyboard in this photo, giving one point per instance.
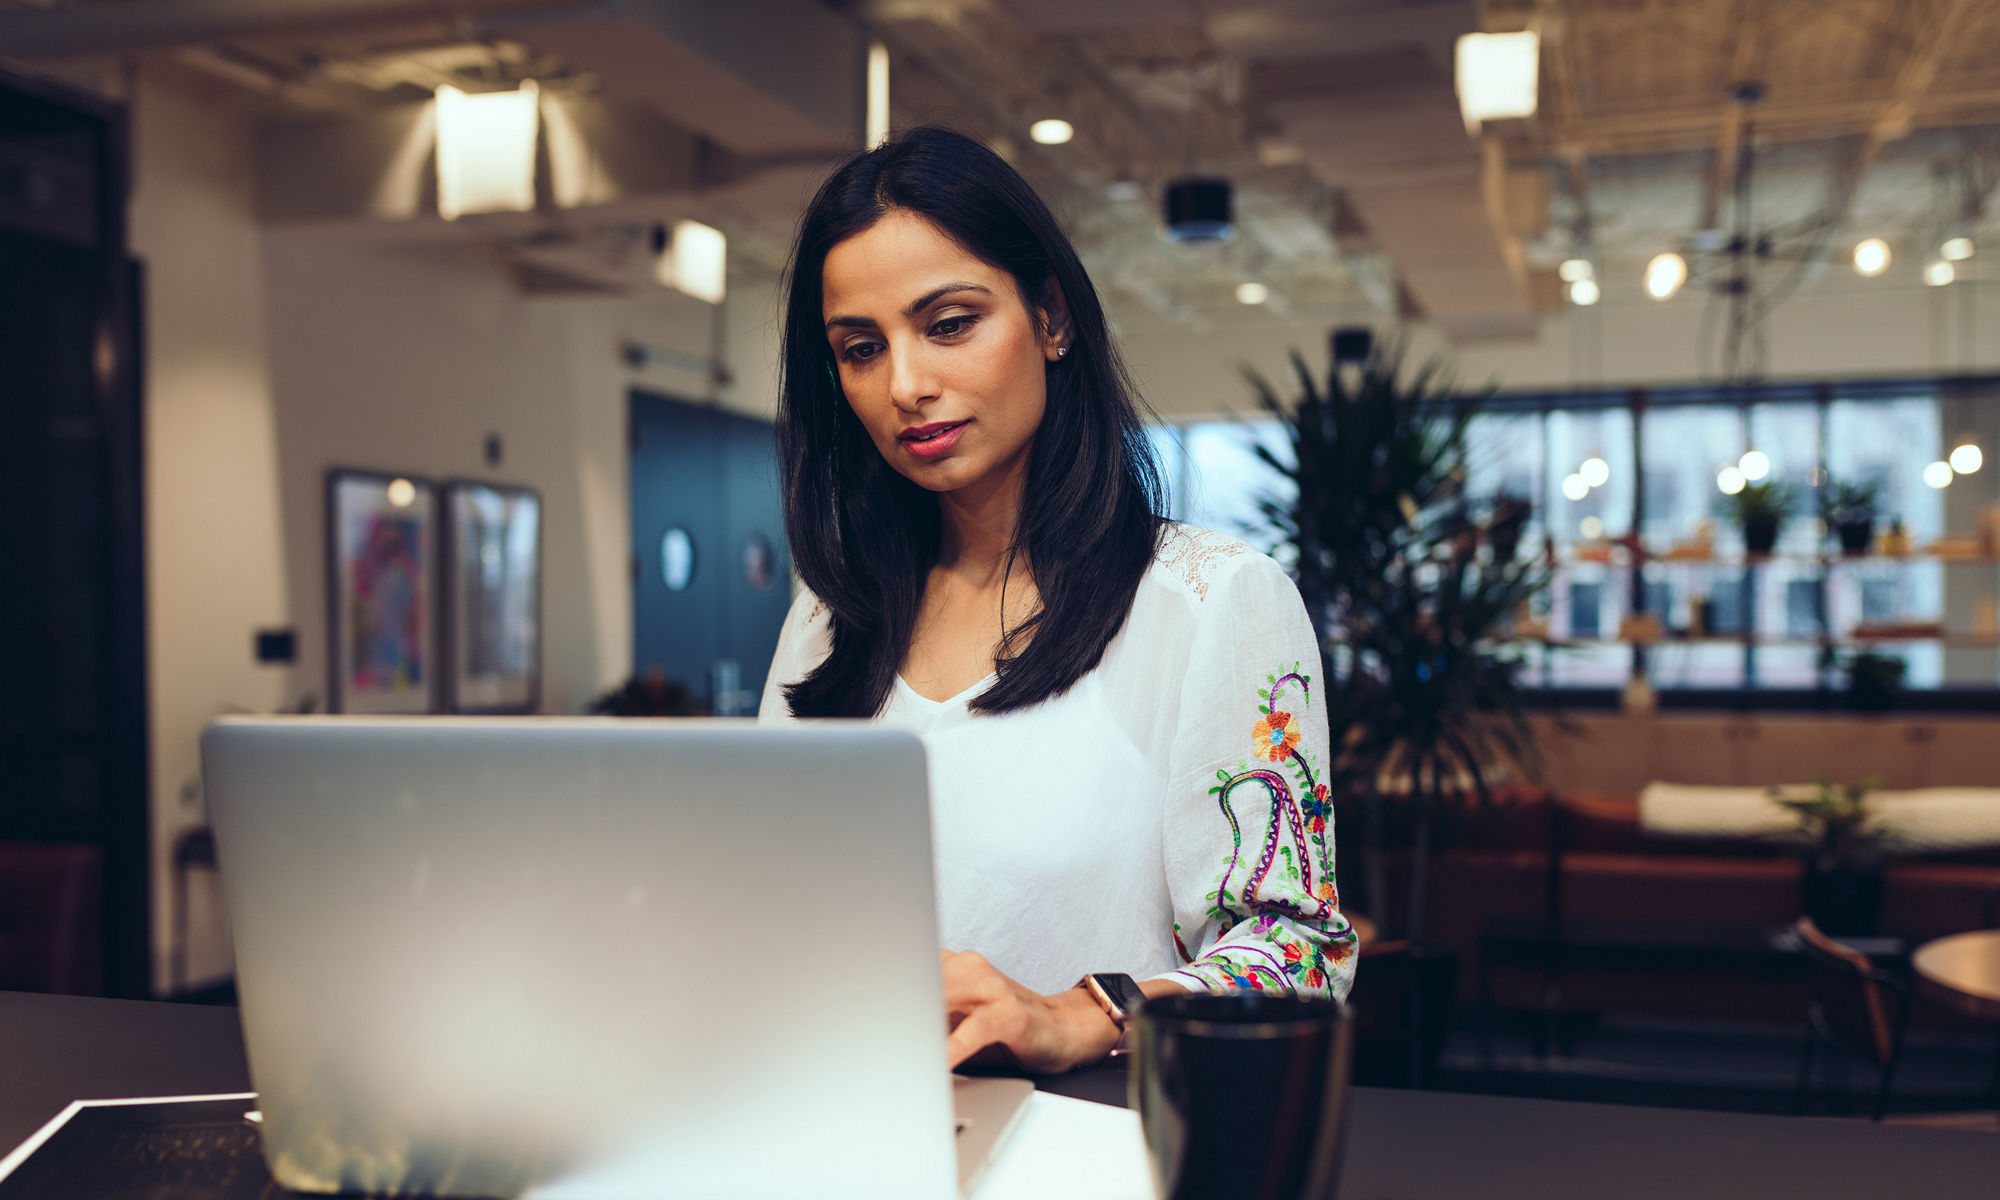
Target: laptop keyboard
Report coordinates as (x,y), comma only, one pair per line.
(149,1152)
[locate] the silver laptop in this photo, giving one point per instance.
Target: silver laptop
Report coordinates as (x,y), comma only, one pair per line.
(593,958)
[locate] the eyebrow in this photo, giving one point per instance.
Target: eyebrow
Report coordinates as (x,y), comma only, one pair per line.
(915,306)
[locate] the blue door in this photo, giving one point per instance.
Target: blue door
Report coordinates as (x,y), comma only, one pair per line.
(711,575)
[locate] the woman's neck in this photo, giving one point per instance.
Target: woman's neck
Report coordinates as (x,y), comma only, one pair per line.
(978,531)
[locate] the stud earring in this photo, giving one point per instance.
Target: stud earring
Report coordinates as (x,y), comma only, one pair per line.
(1061,350)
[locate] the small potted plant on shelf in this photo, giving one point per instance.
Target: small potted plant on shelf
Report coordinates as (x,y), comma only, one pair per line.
(1849,510)
(1842,884)
(1873,679)
(1761,509)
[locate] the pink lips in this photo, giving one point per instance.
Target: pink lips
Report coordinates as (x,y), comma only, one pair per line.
(929,441)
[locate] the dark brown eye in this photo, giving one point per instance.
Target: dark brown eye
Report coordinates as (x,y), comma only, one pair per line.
(953,326)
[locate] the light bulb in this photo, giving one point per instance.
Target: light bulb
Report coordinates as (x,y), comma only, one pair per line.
(1252,293)
(1871,257)
(1967,459)
(1938,272)
(1956,249)
(1938,474)
(401,493)
(1595,470)
(1574,269)
(1755,464)
(1665,275)
(1051,131)
(1584,292)
(1574,487)
(1730,481)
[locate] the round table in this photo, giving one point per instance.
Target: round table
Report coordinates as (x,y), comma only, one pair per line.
(1963,971)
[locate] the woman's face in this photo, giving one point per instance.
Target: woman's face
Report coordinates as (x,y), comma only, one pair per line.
(939,355)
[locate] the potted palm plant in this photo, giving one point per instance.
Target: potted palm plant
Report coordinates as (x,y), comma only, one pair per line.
(1761,509)
(1414,620)
(1849,510)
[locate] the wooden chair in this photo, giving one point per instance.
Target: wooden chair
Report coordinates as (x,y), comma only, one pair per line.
(1854,1005)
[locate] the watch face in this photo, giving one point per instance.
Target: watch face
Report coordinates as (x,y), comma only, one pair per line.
(1122,990)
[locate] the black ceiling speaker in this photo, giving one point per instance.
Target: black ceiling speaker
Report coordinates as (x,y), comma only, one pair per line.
(1352,344)
(1199,210)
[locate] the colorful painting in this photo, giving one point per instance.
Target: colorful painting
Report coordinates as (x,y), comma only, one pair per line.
(382,642)
(495,584)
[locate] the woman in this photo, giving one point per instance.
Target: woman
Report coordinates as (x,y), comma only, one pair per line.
(1117,710)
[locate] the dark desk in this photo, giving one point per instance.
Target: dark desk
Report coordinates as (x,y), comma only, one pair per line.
(1403,1145)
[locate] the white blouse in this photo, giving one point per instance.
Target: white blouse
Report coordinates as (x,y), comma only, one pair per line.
(1165,817)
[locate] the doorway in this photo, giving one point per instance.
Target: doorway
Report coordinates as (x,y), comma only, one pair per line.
(711,576)
(73,773)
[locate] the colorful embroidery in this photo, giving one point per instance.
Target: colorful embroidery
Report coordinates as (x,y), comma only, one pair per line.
(1294,849)
(1273,737)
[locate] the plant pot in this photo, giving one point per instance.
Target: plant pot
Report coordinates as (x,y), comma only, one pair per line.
(1760,532)
(1845,902)
(1856,536)
(1873,681)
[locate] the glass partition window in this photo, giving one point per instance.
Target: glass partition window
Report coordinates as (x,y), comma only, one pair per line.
(1682,601)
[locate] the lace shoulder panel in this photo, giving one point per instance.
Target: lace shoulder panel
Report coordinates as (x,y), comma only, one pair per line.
(1196,558)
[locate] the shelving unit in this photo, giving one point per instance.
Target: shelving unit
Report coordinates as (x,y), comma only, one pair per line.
(1788,622)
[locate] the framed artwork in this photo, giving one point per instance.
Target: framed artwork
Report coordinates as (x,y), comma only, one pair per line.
(382,649)
(493,586)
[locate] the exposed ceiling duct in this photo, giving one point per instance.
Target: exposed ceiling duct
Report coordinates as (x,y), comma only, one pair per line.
(1381,122)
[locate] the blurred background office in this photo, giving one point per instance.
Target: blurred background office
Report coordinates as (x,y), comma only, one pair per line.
(418,356)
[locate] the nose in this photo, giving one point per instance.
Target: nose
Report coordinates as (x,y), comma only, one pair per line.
(912,383)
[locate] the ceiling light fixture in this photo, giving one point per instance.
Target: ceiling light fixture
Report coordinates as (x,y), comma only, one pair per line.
(486,150)
(695,262)
(1871,257)
(1665,275)
(1938,272)
(1955,249)
(1585,292)
(1497,76)
(1051,131)
(876,119)
(1252,293)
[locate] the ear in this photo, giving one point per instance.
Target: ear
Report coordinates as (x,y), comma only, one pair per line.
(1054,314)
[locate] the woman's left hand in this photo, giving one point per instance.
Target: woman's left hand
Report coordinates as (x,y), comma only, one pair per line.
(1045,1035)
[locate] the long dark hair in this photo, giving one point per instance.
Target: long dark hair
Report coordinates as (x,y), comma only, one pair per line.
(864,538)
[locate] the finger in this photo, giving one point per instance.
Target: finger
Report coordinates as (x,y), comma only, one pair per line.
(970,1037)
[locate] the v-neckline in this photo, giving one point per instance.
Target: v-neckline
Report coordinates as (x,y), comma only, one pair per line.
(947,702)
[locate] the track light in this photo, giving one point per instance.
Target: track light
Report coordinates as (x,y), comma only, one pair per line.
(1871,257)
(1665,275)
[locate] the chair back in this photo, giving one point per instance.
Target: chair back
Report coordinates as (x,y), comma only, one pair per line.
(1851,996)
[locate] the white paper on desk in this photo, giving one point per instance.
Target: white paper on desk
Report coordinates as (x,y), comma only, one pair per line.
(1068,1147)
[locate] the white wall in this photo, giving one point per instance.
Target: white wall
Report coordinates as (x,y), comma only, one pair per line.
(275,354)
(214,535)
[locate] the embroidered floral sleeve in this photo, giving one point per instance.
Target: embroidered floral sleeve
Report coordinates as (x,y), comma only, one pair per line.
(1249,831)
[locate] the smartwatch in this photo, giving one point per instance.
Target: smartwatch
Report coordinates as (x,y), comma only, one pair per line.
(1119,996)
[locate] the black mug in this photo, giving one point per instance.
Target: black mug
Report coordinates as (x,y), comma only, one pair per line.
(1242,1094)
